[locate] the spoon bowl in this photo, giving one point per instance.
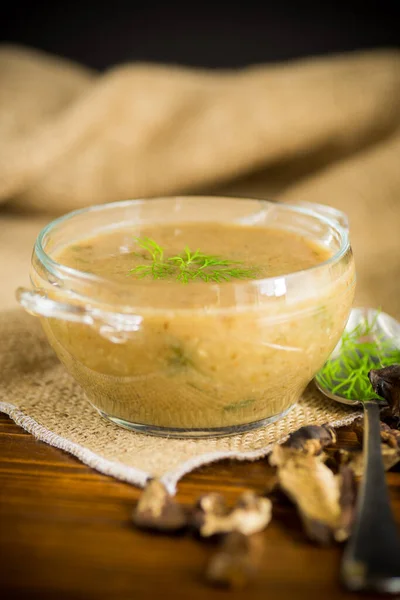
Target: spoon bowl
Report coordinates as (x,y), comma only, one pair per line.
(371,560)
(383,328)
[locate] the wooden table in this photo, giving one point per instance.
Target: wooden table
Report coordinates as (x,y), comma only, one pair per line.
(66,534)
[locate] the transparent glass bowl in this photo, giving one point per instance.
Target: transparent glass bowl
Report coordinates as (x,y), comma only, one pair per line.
(236,361)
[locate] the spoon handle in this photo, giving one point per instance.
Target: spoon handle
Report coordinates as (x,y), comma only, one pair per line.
(371,560)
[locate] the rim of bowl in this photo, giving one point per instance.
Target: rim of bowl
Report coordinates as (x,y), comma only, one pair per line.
(55,268)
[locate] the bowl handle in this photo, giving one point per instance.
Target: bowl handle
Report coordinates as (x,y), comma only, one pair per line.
(333,214)
(115,326)
(37,303)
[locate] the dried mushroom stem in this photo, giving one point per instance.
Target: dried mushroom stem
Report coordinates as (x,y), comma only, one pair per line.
(237,560)
(251,514)
(157,511)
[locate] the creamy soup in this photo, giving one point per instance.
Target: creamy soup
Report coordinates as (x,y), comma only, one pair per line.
(185,365)
(262,252)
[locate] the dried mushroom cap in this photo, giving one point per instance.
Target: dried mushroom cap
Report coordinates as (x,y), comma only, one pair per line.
(386,383)
(157,511)
(318,493)
(237,560)
(389,436)
(355,458)
(251,514)
(213,503)
(311,439)
(390,457)
(390,447)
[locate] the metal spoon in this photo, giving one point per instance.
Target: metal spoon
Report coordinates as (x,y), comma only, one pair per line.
(371,561)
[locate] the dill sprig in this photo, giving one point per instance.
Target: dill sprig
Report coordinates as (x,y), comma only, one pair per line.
(362,349)
(187,266)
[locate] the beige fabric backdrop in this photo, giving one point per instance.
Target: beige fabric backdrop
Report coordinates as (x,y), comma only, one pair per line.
(325,130)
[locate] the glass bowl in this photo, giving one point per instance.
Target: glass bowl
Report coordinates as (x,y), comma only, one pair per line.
(239,359)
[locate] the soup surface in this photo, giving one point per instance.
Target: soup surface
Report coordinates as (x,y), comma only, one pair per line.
(258,252)
(201,369)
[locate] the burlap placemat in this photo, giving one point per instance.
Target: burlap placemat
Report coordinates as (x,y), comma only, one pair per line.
(39,395)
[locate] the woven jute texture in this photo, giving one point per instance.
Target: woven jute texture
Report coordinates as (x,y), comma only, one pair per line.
(322,129)
(39,395)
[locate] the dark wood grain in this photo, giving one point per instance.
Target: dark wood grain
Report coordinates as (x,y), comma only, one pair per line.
(66,533)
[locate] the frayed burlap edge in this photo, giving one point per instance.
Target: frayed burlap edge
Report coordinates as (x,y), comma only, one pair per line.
(131,474)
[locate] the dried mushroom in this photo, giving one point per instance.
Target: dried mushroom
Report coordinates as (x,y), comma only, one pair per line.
(386,383)
(390,447)
(338,457)
(325,500)
(390,457)
(347,502)
(158,511)
(236,561)
(390,436)
(251,514)
(209,504)
(358,428)
(311,439)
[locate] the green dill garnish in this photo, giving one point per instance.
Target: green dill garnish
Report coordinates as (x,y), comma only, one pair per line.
(187,266)
(361,350)
(197,387)
(241,404)
(177,357)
